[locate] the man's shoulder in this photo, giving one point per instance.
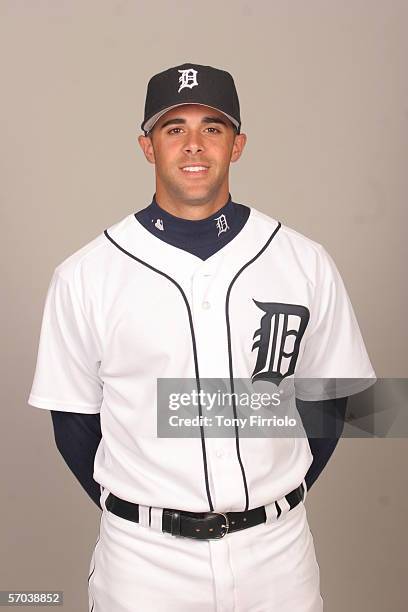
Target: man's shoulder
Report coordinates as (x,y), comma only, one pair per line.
(287,234)
(93,255)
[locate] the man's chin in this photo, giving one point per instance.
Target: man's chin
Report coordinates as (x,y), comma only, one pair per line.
(195,194)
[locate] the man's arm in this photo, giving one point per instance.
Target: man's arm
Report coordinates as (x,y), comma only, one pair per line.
(77,437)
(322,448)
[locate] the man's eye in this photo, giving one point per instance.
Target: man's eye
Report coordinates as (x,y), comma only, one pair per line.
(209,128)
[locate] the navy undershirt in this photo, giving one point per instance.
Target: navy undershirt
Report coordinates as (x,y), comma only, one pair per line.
(77,436)
(203,237)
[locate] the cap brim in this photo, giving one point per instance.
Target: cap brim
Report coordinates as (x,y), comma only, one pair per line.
(150,122)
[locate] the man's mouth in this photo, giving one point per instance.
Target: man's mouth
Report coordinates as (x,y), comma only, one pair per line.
(195,170)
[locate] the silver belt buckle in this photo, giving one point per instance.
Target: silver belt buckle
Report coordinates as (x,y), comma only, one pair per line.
(226,526)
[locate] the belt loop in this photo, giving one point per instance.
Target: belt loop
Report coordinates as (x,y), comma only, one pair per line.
(175,523)
(144,515)
(271,512)
(284,506)
(156,518)
(304,490)
(103,497)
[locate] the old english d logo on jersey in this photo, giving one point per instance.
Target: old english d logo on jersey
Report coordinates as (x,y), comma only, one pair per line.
(188,79)
(279,335)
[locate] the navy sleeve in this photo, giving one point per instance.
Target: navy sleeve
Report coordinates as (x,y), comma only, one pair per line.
(77,437)
(331,416)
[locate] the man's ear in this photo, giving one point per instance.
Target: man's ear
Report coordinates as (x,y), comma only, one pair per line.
(147,148)
(238,147)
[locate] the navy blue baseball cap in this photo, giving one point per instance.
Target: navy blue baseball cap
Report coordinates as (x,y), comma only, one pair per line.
(191,84)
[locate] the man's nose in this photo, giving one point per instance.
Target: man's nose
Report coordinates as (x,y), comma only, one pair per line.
(194,143)
(193,148)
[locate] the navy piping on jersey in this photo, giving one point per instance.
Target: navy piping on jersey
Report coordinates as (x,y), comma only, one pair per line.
(231,371)
(190,318)
(203,447)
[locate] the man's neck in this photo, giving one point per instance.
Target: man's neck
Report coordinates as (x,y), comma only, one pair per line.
(201,237)
(194,211)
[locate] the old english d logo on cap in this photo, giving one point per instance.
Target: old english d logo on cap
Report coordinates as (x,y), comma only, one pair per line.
(188,78)
(191,84)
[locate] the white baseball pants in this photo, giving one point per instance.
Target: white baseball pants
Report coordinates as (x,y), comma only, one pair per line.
(271,567)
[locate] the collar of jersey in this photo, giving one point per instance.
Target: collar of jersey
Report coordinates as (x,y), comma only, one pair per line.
(132,237)
(189,234)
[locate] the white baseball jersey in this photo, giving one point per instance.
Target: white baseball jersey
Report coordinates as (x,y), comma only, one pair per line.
(128,309)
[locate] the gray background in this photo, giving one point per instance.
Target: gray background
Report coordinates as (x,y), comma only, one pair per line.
(324,105)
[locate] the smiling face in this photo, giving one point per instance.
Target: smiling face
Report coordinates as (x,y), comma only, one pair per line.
(192,135)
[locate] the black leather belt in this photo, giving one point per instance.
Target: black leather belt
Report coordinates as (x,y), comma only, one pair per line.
(202,525)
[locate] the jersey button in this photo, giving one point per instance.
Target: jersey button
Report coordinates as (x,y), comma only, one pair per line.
(206,305)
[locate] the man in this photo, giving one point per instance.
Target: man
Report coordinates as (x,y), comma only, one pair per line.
(195,287)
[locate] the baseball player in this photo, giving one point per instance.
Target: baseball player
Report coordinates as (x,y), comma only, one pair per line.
(194,287)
